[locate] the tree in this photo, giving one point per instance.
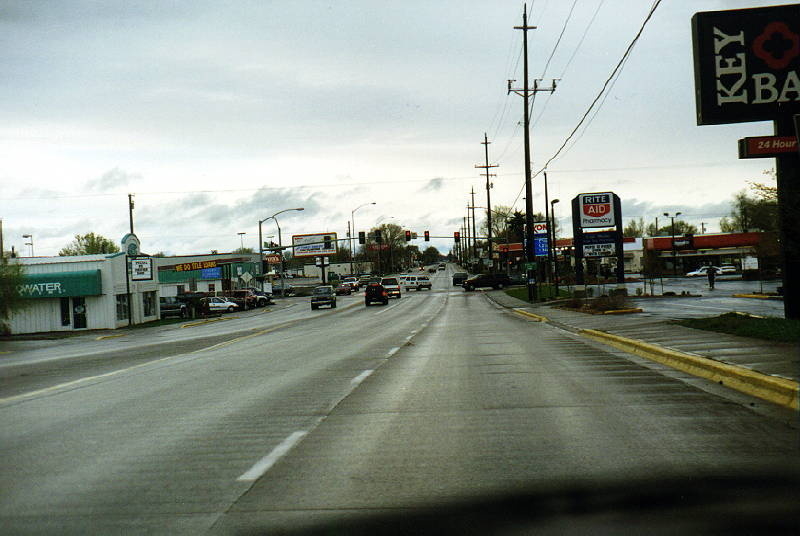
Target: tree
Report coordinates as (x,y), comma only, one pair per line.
(752,213)
(89,244)
(242,251)
(634,229)
(681,228)
(431,255)
(12,276)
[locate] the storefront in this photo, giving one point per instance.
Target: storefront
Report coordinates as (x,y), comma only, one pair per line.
(82,292)
(214,273)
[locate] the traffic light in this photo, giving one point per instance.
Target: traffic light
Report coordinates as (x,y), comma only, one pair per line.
(378,238)
(457,236)
(326,242)
(427,236)
(408,236)
(362,237)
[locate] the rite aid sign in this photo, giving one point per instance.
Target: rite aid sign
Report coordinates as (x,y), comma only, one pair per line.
(746,64)
(596,210)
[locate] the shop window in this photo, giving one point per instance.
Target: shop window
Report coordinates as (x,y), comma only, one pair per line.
(193,285)
(181,289)
(65,318)
(149,303)
(122,307)
(212,287)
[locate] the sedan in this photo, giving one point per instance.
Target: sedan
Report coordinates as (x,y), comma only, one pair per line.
(344,289)
(217,303)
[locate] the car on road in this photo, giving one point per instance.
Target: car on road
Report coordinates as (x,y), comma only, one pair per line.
(344,289)
(375,293)
(323,295)
(432,270)
(221,304)
(417,282)
(496,281)
(392,286)
(353,282)
(459,277)
(442,266)
(171,306)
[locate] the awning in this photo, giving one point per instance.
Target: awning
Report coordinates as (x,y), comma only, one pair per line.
(61,284)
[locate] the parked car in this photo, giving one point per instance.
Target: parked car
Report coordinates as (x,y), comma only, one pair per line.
(703,271)
(392,286)
(375,293)
(221,304)
(344,289)
(495,281)
(171,306)
(263,298)
(727,269)
(323,295)
(459,277)
(244,298)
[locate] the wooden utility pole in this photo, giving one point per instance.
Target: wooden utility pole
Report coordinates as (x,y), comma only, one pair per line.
(525,91)
(474,233)
(489,186)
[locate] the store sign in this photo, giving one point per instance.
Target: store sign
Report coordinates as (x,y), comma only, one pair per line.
(189,266)
(272,259)
(766,146)
(602,249)
(61,284)
(746,64)
(141,269)
(312,245)
(211,273)
(596,210)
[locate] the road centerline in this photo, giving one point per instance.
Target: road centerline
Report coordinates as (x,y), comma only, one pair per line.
(264,464)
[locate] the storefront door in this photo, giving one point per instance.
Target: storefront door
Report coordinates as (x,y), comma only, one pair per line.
(79,313)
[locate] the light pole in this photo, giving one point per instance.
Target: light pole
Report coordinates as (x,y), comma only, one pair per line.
(29,243)
(280,242)
(552,248)
(353,230)
(674,253)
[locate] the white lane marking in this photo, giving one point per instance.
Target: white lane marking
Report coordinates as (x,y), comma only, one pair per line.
(393,351)
(265,464)
(388,308)
(361,377)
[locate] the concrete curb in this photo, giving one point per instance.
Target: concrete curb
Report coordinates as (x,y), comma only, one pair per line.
(770,388)
(622,311)
(538,318)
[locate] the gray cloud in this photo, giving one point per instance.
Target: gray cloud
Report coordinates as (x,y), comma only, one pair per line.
(112,179)
(432,185)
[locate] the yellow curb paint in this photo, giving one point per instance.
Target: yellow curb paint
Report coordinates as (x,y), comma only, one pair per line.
(779,391)
(621,311)
(103,337)
(538,318)
(757,296)
(201,322)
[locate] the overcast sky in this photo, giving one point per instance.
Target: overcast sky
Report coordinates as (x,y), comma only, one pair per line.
(219,114)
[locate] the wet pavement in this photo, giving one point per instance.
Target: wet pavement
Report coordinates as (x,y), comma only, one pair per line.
(654,326)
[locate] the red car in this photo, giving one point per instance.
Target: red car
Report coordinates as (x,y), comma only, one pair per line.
(344,289)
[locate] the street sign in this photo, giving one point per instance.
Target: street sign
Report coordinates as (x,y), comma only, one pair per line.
(597,210)
(530,265)
(767,146)
(746,64)
(322,261)
(246,277)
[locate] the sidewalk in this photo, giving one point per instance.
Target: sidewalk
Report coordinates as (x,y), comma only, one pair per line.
(769,358)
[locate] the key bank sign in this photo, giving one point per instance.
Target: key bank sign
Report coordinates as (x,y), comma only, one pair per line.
(746,64)
(597,210)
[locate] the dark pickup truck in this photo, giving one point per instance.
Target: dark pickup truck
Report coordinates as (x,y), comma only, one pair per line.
(486,280)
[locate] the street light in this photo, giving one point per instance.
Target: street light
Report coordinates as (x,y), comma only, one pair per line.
(552,244)
(353,230)
(241,241)
(674,252)
(29,243)
(280,245)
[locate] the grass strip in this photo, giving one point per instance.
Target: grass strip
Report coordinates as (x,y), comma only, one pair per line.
(771,329)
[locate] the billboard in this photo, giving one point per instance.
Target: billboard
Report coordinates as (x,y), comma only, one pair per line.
(141,268)
(314,245)
(596,210)
(746,64)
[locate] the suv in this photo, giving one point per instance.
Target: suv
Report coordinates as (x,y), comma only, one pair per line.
(323,295)
(459,278)
(375,293)
(245,299)
(171,306)
(495,281)
(262,298)
(392,286)
(418,282)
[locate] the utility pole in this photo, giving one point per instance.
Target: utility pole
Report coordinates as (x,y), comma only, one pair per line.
(702,227)
(525,92)
(549,271)
(489,185)
(474,233)
(465,232)
(130,210)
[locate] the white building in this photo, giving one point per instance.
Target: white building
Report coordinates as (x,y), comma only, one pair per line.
(84,292)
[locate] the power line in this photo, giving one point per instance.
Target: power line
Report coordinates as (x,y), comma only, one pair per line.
(605,85)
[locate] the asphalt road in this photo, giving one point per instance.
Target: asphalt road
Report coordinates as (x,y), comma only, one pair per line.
(293,417)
